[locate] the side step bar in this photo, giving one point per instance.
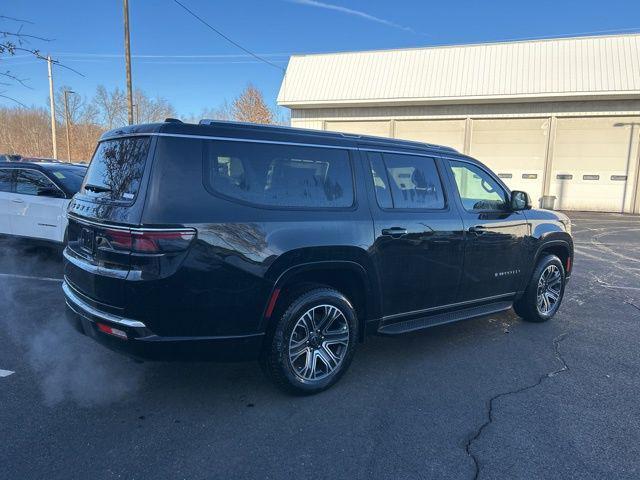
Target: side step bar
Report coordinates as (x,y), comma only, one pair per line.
(442,318)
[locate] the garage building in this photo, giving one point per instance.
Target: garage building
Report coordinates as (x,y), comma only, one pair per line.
(556,117)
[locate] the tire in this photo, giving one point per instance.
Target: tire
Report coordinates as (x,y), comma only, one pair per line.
(547,282)
(313,342)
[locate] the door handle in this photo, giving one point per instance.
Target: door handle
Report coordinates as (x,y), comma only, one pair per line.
(478,230)
(15,200)
(395,232)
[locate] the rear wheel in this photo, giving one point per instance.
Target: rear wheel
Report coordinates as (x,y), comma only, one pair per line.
(544,293)
(313,342)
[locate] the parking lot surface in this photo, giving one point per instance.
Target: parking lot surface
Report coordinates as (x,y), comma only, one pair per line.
(489,398)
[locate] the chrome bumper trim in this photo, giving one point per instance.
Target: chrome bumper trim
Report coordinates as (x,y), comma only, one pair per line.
(94,269)
(85,307)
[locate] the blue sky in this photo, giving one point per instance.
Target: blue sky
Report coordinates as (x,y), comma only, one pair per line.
(176,57)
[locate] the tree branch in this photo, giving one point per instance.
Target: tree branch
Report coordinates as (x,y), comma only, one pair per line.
(21,81)
(5,17)
(13,100)
(23,35)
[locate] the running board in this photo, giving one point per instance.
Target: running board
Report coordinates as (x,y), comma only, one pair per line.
(442,318)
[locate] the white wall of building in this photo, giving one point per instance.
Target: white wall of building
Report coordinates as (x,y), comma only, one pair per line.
(583,152)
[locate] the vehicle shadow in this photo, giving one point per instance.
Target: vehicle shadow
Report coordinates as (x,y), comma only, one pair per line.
(379,365)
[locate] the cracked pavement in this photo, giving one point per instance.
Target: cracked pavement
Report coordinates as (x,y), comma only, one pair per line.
(488,398)
(492,401)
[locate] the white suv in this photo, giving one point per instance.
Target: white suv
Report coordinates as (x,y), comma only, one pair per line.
(34,197)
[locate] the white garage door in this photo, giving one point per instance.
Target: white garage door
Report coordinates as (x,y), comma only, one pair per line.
(440,132)
(594,163)
(515,149)
(376,128)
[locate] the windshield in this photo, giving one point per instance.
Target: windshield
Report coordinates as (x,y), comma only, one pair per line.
(69,178)
(116,169)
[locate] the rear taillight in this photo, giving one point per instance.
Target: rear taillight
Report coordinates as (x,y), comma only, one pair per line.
(112,331)
(148,241)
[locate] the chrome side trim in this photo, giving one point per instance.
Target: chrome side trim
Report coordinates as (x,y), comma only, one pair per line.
(451,305)
(86,308)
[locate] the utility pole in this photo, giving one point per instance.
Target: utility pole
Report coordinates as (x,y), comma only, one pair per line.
(127,57)
(53,110)
(66,119)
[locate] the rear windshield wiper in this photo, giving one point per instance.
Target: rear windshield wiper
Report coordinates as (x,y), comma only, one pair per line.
(96,188)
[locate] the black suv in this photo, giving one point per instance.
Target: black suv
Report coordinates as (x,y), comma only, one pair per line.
(236,241)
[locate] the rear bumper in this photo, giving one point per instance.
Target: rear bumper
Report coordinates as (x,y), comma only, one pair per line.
(142,343)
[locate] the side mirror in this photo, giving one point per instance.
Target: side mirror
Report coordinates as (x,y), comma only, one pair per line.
(50,192)
(520,201)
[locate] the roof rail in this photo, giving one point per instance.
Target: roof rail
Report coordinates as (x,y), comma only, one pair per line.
(213,122)
(172,120)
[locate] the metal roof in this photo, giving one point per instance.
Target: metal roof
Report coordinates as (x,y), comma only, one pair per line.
(552,69)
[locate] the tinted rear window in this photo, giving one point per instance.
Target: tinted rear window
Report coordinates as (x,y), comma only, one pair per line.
(414,182)
(280,175)
(70,178)
(116,169)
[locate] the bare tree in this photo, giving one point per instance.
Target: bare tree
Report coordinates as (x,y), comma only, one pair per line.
(26,131)
(150,110)
(14,40)
(111,107)
(84,128)
(75,102)
(222,112)
(250,106)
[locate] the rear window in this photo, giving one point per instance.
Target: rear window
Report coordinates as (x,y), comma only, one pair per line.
(32,182)
(411,182)
(280,175)
(69,178)
(116,169)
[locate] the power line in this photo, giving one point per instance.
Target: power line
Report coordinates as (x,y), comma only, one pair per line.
(138,55)
(227,38)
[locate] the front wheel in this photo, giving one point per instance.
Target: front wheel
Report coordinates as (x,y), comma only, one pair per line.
(313,342)
(542,298)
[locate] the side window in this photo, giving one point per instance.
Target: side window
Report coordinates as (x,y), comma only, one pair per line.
(413,181)
(30,182)
(280,175)
(380,180)
(5,180)
(478,191)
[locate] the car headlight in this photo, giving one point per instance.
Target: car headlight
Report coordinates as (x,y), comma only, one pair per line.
(567,224)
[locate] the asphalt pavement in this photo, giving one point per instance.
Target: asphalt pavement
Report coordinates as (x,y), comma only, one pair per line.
(489,398)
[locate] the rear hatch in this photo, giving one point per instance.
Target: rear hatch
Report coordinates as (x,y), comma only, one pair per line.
(101,216)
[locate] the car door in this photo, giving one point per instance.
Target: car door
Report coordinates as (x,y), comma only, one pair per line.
(40,206)
(495,236)
(418,236)
(6,206)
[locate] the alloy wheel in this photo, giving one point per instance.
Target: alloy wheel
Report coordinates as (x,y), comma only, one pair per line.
(549,289)
(318,342)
